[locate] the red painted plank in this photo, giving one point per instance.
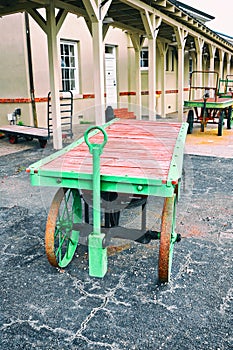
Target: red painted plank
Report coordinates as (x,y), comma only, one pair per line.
(134,149)
(136,172)
(222,100)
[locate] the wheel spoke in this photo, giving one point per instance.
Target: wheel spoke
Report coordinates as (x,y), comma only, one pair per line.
(67,251)
(65,210)
(71,241)
(56,232)
(61,241)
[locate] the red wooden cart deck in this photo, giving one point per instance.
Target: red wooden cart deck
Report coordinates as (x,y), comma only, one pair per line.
(142,149)
(213,99)
(211,102)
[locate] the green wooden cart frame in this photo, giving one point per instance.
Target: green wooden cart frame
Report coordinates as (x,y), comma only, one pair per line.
(120,163)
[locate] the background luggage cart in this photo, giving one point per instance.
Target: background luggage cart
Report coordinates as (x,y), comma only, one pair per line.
(225,87)
(28,133)
(210,107)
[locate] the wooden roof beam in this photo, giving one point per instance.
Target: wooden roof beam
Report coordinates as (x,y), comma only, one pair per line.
(147,22)
(128,28)
(191,20)
(95,11)
(162,3)
(38,19)
(151,24)
(17,8)
(137,41)
(43,3)
(196,25)
(185,18)
(70,8)
(170,8)
(105,8)
(139,5)
(60,17)
(92,10)
(178,14)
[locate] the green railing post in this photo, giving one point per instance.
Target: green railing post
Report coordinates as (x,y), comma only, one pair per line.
(97,254)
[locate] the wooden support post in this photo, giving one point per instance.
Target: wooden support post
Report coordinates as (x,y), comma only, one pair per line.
(163,47)
(54,67)
(137,44)
(181,35)
(98,72)
(199,46)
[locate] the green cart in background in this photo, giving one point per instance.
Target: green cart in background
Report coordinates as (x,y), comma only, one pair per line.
(206,103)
(225,87)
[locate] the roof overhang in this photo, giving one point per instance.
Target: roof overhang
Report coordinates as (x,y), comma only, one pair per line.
(127,15)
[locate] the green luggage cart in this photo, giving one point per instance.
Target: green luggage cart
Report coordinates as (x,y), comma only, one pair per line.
(112,167)
(211,106)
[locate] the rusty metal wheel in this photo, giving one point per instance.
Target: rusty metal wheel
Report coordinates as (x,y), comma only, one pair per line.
(167,238)
(13,139)
(60,238)
(220,122)
(229,117)
(42,143)
(190,121)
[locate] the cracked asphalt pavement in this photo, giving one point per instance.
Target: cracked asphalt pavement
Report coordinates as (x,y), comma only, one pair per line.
(47,308)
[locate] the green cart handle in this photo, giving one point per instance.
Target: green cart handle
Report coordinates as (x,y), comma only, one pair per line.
(96,150)
(92,146)
(96,253)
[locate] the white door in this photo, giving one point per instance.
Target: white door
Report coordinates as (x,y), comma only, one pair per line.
(110,76)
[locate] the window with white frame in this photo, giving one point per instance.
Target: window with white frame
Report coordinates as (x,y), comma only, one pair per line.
(144,58)
(69,66)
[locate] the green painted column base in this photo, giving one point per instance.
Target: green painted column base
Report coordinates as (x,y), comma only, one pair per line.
(97,255)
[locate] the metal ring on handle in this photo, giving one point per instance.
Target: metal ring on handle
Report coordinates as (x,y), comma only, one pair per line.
(92,145)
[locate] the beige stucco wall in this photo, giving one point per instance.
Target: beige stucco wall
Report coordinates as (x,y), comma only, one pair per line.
(13,67)
(75,29)
(39,59)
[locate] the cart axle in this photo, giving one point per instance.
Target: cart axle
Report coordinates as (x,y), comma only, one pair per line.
(118,232)
(152,235)
(148,236)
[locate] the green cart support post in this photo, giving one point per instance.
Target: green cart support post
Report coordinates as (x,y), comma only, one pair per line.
(97,254)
